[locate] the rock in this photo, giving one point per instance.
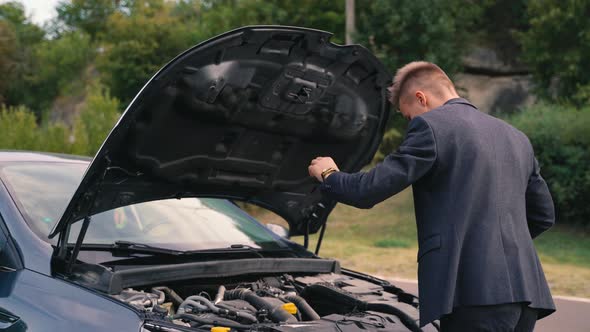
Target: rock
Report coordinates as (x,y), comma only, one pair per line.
(494,94)
(484,60)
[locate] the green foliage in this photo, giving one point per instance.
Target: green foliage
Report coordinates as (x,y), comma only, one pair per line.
(499,24)
(54,137)
(7,57)
(137,44)
(88,16)
(557,45)
(391,139)
(97,117)
(561,140)
(401,31)
(58,65)
(20,130)
(220,16)
(13,12)
(38,69)
(18,35)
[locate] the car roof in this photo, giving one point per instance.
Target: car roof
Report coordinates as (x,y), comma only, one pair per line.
(38,156)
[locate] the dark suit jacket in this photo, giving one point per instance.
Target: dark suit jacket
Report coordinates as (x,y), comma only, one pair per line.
(479,201)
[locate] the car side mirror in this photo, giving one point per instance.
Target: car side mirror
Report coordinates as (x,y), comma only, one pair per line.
(278,230)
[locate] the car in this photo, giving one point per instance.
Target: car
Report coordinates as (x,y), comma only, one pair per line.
(149,234)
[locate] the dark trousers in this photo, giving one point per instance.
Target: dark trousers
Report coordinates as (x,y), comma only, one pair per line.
(509,317)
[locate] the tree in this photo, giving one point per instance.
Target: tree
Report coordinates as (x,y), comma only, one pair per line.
(138,42)
(8,57)
(401,31)
(89,16)
(18,35)
(556,46)
(218,16)
(58,67)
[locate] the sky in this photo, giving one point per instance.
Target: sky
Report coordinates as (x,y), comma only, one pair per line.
(39,10)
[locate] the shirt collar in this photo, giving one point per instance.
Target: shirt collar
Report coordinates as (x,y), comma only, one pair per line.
(459,101)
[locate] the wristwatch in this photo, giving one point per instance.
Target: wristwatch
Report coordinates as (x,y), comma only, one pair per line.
(327,172)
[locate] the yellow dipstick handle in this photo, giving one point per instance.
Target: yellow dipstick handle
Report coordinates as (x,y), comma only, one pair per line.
(220,329)
(290,308)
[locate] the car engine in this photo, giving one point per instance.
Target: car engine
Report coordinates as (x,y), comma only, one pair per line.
(322,302)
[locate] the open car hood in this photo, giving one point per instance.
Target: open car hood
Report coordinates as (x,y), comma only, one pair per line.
(240,116)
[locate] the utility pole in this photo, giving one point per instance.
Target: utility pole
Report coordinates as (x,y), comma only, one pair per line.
(350,24)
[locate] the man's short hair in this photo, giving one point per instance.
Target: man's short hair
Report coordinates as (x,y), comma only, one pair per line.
(420,74)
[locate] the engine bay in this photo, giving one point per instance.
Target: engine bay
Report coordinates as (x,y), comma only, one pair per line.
(285,302)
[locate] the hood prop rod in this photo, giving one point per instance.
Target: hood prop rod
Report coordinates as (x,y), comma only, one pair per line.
(86,222)
(306,234)
(79,240)
(321,237)
(62,243)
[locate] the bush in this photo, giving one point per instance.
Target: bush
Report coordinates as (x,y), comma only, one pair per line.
(19,129)
(392,138)
(99,114)
(560,136)
(97,117)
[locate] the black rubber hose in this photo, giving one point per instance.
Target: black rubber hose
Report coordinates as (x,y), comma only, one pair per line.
(174,297)
(276,314)
(389,309)
(213,322)
(303,307)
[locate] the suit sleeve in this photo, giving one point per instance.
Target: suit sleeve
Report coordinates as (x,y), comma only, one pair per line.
(540,212)
(414,158)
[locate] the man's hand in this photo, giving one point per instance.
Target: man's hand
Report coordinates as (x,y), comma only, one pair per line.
(319,164)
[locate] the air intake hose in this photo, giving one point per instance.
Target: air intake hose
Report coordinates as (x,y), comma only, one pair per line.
(303,306)
(276,313)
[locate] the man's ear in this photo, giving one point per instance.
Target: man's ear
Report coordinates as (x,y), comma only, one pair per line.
(421,97)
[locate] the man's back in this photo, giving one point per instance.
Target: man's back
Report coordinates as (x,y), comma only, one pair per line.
(478,198)
(479,201)
(472,205)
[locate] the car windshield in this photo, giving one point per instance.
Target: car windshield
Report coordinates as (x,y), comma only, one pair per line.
(43,190)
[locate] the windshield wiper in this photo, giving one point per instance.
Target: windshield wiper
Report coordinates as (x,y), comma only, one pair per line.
(234,248)
(132,247)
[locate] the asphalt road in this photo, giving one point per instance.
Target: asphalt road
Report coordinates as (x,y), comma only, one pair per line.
(572,315)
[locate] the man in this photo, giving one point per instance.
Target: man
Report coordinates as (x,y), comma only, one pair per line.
(479,201)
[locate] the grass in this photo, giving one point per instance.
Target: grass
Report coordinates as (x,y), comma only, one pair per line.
(382,241)
(392,243)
